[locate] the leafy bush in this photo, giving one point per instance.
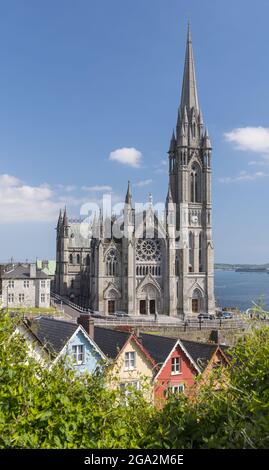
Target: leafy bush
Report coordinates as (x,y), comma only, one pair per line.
(52,408)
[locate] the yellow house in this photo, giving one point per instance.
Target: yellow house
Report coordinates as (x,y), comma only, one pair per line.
(131,365)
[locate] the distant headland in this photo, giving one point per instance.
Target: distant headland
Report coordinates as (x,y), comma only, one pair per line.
(256,268)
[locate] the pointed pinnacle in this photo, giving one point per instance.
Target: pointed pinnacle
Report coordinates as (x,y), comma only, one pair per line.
(189,97)
(128,198)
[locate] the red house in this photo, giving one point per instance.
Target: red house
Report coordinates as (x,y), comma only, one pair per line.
(178,362)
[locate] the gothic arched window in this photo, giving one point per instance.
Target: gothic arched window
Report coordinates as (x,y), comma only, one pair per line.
(112,263)
(78,258)
(71,258)
(195,183)
(200,253)
(191,252)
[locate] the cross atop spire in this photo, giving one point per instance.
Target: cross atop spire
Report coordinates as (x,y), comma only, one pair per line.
(189,97)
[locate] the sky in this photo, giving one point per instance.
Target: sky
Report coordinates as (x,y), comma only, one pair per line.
(89,92)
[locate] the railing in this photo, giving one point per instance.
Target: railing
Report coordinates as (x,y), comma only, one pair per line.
(66,301)
(183,325)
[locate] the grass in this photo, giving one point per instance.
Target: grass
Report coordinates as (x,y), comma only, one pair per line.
(32,310)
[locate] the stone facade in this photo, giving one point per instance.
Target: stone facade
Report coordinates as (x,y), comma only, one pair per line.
(170,272)
(25,286)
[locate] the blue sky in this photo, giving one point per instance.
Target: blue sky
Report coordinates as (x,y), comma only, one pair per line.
(80,80)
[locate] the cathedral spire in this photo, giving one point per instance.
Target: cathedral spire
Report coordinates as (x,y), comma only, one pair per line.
(128,198)
(65,219)
(60,220)
(207,143)
(173,143)
(189,97)
(169,198)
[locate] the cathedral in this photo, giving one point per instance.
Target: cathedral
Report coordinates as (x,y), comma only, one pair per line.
(157,264)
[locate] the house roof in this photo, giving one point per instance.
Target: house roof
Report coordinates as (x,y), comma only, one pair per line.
(200,352)
(160,347)
(110,342)
(48,267)
(52,333)
(23,272)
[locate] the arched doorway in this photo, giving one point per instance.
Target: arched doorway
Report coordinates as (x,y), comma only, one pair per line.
(149,300)
(197,301)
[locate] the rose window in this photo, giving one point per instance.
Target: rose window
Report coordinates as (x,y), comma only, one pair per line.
(148,250)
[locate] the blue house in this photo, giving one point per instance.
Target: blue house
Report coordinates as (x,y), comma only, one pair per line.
(58,339)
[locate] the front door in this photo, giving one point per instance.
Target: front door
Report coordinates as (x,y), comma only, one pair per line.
(152,307)
(143,310)
(195,306)
(111,307)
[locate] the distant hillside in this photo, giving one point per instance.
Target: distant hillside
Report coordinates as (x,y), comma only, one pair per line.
(233,267)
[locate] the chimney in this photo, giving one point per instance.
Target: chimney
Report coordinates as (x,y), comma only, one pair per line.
(87,322)
(215,336)
(32,270)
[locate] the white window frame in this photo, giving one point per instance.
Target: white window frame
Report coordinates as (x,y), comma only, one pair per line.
(130,360)
(78,353)
(26,284)
(42,298)
(177,388)
(127,386)
(10,298)
(11,284)
(176,366)
(21,297)
(43,284)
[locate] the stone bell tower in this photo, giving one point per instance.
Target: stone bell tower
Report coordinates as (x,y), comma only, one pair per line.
(190,188)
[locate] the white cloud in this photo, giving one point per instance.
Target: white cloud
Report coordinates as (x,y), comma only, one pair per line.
(254,139)
(243,176)
(66,188)
(127,156)
(20,202)
(143,183)
(96,188)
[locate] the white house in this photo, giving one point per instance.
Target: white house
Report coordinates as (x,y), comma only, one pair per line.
(25,286)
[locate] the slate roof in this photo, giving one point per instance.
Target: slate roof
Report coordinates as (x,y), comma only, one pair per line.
(52,333)
(110,341)
(200,352)
(23,272)
(160,347)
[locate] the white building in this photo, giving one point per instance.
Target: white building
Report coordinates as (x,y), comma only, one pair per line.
(25,286)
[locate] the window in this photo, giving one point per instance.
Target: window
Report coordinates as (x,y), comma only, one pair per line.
(78,259)
(11,284)
(129,360)
(72,283)
(78,353)
(175,389)
(112,265)
(10,298)
(48,283)
(21,297)
(176,365)
(195,184)
(43,298)
(26,284)
(43,284)
(127,387)
(71,258)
